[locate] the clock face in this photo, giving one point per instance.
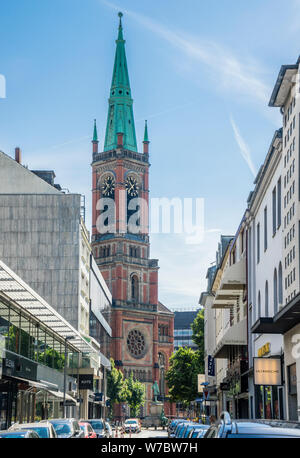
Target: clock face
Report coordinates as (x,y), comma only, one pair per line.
(108,186)
(132,187)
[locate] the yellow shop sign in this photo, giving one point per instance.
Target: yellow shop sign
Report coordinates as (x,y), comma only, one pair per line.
(264,350)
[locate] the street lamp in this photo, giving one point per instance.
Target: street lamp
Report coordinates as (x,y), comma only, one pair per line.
(204,384)
(65,374)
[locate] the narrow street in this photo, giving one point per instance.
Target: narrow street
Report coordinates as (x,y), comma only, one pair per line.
(149,433)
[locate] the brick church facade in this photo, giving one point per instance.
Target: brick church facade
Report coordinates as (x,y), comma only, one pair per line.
(143,328)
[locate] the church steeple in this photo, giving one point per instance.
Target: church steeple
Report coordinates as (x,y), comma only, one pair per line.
(120,113)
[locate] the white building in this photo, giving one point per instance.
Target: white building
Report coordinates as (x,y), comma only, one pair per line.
(286,321)
(265,276)
(226,326)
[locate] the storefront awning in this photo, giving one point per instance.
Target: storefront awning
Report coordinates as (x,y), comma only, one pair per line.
(236,335)
(287,318)
(12,287)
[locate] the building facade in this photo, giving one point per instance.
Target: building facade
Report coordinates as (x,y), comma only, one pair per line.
(142,328)
(33,350)
(285,320)
(265,276)
(182,329)
(226,319)
(44,240)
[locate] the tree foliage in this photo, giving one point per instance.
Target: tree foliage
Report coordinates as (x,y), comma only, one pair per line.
(185,365)
(116,386)
(198,337)
(135,395)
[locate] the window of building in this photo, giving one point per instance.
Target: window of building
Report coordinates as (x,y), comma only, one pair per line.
(258,242)
(265,229)
(279,203)
(134,288)
(275,292)
(258,306)
(274,210)
(266,299)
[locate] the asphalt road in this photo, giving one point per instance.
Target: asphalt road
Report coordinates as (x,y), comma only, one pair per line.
(149,433)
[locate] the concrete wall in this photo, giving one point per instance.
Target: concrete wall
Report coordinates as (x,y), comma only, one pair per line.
(39,240)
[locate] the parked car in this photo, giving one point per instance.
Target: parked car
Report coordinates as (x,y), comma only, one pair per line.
(108,429)
(133,425)
(194,428)
(198,432)
(228,428)
(179,428)
(67,428)
(89,433)
(19,434)
(182,428)
(172,425)
(98,425)
(44,429)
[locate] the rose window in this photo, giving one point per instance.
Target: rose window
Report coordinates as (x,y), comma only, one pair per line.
(136,343)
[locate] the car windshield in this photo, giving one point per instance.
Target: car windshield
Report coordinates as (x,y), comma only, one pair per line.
(82,427)
(131,422)
(41,431)
(96,424)
(62,428)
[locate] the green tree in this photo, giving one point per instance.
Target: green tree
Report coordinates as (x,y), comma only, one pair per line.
(135,395)
(116,386)
(185,365)
(198,337)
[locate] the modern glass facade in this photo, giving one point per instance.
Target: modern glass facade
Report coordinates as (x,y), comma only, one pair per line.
(28,346)
(26,336)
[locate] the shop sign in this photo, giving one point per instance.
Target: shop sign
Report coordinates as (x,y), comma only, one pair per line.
(86,381)
(224,386)
(201,379)
(16,366)
(211,366)
(264,350)
(267,371)
(98,397)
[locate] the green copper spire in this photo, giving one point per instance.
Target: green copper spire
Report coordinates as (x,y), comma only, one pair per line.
(120,113)
(95,135)
(146,139)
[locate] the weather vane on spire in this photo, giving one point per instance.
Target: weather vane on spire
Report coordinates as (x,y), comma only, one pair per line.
(120,16)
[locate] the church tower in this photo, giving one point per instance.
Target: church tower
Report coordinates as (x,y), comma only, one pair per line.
(142,327)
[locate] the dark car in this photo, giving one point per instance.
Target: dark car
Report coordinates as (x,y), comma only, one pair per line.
(98,425)
(67,428)
(19,434)
(228,428)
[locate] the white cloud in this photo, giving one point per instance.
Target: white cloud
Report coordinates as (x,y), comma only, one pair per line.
(244,149)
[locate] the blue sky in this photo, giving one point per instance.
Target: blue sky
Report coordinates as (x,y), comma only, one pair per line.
(201,73)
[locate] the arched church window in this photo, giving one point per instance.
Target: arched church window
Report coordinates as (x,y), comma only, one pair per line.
(134,288)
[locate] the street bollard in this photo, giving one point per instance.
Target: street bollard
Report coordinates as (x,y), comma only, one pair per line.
(130,431)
